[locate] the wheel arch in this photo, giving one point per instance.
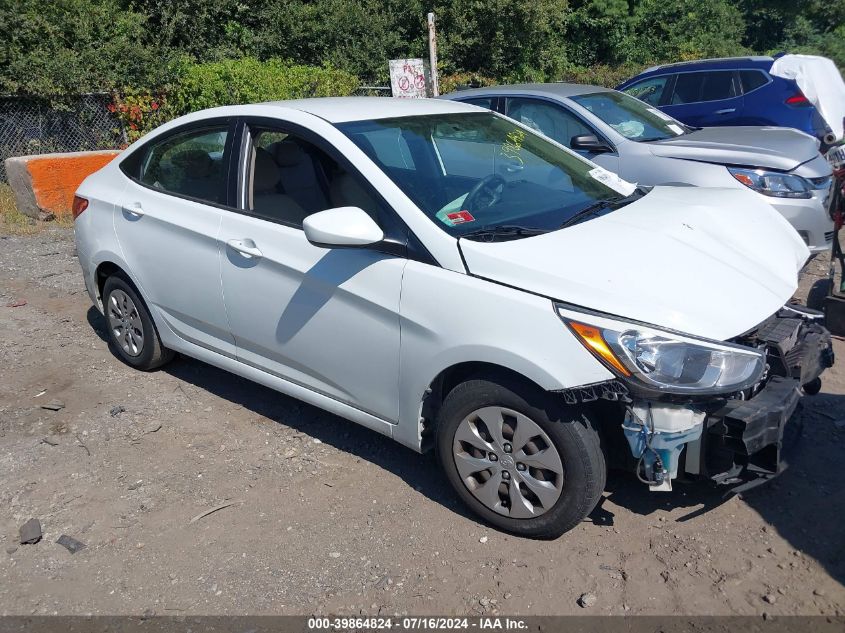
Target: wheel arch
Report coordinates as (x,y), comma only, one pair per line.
(108,264)
(449,378)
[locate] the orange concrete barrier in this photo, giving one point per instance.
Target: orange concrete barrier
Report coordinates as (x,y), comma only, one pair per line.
(44,184)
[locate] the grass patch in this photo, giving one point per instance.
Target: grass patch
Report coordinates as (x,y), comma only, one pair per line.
(13,222)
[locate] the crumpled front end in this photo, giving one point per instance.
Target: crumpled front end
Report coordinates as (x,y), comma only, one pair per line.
(737,440)
(683,407)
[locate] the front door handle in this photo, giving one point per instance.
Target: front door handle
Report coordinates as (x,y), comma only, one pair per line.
(725,111)
(245,247)
(135,209)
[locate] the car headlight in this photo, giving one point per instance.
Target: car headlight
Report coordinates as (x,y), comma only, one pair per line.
(669,362)
(771,183)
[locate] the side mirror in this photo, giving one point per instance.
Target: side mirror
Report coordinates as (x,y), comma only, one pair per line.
(589,143)
(342,227)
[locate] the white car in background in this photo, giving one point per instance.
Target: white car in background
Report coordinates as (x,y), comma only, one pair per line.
(451,279)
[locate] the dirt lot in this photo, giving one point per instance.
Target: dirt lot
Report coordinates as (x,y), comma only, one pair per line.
(332,518)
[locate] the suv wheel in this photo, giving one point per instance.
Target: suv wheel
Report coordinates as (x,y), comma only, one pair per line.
(519,458)
(130,327)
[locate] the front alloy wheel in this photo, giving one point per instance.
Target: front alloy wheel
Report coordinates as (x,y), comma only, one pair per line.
(508,462)
(519,457)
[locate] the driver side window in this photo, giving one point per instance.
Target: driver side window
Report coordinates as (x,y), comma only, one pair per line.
(290,178)
(649,90)
(547,118)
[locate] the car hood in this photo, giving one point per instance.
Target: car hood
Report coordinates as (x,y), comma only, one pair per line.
(770,147)
(709,262)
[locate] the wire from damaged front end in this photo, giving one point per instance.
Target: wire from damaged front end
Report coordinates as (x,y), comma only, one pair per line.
(657,466)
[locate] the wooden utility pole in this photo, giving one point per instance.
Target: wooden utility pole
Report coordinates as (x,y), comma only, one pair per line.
(432,55)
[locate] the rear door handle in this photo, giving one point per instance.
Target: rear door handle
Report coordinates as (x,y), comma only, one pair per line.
(245,247)
(725,111)
(134,209)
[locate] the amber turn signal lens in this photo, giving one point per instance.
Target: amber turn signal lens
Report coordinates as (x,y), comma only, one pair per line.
(745,180)
(79,205)
(592,338)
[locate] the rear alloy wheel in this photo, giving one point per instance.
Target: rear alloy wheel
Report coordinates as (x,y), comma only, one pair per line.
(519,457)
(130,328)
(125,323)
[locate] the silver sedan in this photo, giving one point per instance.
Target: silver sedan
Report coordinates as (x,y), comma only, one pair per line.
(647,146)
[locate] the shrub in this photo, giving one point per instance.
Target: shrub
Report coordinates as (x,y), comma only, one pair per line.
(248,80)
(601,74)
(139,113)
(456,81)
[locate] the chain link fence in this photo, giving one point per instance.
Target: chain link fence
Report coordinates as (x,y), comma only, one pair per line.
(38,126)
(372,91)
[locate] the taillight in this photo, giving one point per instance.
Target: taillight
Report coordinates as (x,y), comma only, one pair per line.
(79,205)
(798,100)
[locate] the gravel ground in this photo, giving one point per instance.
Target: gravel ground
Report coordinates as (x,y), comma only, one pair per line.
(327,517)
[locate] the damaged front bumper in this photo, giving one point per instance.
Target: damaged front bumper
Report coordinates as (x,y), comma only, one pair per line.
(739,441)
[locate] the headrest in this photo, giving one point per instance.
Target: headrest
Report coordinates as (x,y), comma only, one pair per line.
(287,153)
(195,163)
(266,174)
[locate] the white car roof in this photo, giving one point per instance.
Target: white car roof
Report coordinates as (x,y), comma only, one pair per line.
(345,109)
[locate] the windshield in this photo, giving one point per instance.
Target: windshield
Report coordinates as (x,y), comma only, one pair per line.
(632,118)
(477,171)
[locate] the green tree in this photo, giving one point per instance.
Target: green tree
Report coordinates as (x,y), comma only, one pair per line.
(57,47)
(358,37)
(205,30)
(598,32)
(685,29)
(507,39)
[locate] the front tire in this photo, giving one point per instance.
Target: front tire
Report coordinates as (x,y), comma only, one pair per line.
(131,331)
(519,458)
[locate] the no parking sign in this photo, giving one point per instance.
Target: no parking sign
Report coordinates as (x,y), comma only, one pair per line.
(407,78)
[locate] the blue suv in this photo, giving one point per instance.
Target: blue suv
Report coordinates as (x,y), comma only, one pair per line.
(730,91)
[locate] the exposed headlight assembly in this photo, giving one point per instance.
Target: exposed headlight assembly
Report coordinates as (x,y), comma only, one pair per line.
(774,184)
(668,362)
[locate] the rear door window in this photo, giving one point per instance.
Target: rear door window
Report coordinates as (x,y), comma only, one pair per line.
(696,87)
(718,86)
(188,164)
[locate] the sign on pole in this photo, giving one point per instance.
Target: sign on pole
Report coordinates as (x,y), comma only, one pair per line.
(407,78)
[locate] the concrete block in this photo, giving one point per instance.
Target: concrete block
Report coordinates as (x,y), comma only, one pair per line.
(44,184)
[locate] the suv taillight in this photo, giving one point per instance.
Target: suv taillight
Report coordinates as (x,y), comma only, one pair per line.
(798,100)
(79,205)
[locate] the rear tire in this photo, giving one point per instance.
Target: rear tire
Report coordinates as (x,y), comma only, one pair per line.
(131,331)
(552,454)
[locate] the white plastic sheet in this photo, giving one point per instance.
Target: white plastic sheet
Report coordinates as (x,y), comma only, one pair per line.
(820,81)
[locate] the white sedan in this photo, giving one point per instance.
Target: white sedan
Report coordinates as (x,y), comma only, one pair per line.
(451,279)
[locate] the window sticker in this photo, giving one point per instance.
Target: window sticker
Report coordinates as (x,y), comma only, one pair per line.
(512,147)
(613,181)
(459,217)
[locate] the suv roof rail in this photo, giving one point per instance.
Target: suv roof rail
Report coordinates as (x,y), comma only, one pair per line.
(753,58)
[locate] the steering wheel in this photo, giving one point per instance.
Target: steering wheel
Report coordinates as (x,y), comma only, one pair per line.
(483,194)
